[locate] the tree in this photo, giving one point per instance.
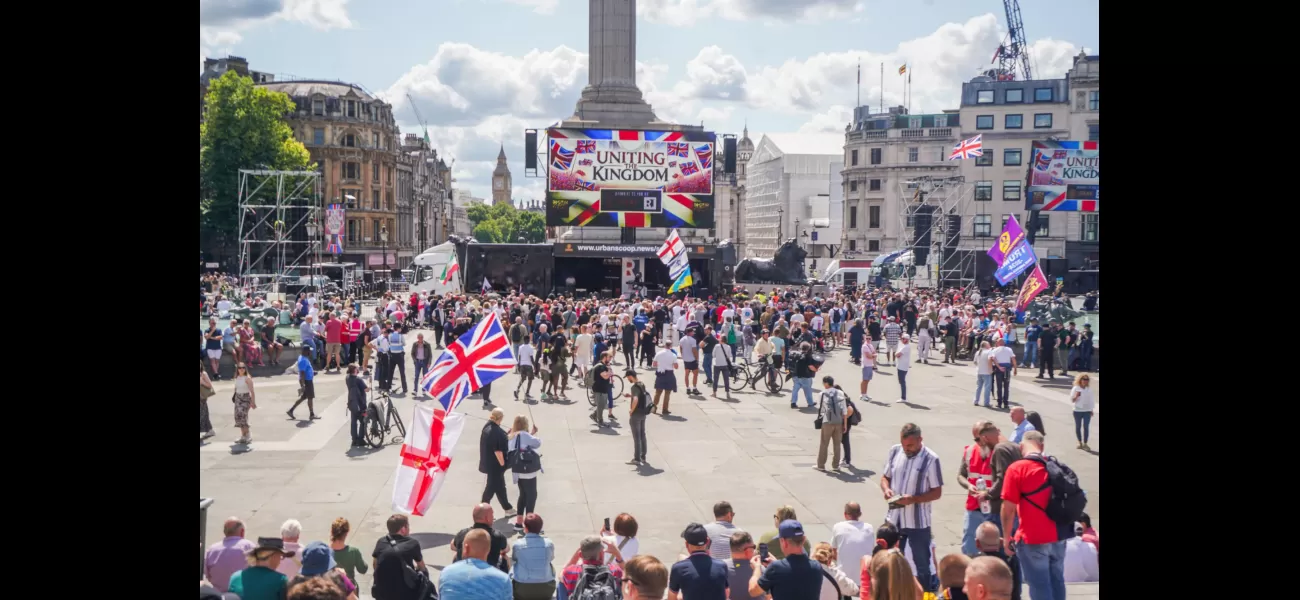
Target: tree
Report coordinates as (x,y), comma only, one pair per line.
(503,223)
(532,226)
(489,232)
(243,128)
(477,213)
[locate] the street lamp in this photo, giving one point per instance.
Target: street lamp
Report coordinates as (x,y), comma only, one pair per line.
(383,237)
(312,248)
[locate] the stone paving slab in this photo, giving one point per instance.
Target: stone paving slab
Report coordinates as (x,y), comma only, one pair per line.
(757,453)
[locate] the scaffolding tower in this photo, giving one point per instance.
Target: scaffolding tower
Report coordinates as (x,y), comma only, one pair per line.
(930,219)
(279,220)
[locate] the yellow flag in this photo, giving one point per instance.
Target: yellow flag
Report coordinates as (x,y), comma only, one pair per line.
(902,69)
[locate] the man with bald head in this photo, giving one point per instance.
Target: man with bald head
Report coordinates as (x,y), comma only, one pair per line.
(226,557)
(473,578)
(483,519)
(989,543)
(988,578)
(852,538)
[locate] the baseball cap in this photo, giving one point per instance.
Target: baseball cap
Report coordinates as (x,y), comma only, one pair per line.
(695,535)
(317,558)
(789,528)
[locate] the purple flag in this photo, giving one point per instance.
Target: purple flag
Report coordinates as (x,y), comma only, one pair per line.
(1011,235)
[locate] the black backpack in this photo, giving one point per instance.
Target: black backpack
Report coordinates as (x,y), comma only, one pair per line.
(856,418)
(597,583)
(1067,500)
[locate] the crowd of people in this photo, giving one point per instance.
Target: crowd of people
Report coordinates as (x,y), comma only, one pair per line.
(1008,535)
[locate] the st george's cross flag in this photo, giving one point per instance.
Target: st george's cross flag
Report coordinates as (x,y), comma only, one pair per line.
(671,247)
(425,458)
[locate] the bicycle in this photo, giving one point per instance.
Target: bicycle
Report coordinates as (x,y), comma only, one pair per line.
(773,383)
(615,387)
(380,419)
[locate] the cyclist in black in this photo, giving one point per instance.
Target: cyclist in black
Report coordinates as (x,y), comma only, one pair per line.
(357,389)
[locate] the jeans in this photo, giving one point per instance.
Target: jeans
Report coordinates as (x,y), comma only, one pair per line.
(723,375)
(1043,567)
(844,439)
(805,384)
(902,382)
(310,344)
(358,426)
(1082,425)
(983,383)
(496,486)
(527,495)
(421,367)
(974,518)
(1002,384)
(1031,353)
(832,435)
(919,541)
(708,368)
(637,423)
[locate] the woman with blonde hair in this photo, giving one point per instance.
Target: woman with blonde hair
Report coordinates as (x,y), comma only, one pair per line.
(524,461)
(825,554)
(892,578)
(1084,403)
(245,399)
(348,558)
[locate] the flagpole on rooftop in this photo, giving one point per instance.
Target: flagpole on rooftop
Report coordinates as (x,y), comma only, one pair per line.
(882,87)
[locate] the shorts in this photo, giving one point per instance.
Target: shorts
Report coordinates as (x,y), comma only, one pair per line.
(666,381)
(892,347)
(308,389)
(214,354)
(691,366)
(835,327)
(330,348)
(866,372)
(525,370)
(230,348)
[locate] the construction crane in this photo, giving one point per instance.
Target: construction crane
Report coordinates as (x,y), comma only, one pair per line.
(1014,52)
(420,118)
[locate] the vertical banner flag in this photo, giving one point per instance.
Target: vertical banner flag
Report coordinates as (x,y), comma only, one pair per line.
(671,247)
(487,287)
(1020,258)
(673,254)
(425,458)
(450,270)
(1034,285)
(334,222)
(1011,235)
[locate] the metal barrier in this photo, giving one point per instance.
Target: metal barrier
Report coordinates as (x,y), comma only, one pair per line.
(204,503)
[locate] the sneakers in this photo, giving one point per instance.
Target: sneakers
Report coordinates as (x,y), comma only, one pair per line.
(1080,446)
(901,401)
(516,395)
(511,512)
(863,398)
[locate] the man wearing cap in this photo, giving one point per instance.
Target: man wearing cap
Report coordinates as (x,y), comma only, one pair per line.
(261,581)
(699,576)
(794,577)
(912,479)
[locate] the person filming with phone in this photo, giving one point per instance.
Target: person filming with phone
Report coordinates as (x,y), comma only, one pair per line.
(794,577)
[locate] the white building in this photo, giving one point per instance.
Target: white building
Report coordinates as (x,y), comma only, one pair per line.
(461,200)
(786,178)
(1083,239)
(730,197)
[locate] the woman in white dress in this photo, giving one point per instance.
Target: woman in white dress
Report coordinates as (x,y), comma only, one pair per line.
(582,347)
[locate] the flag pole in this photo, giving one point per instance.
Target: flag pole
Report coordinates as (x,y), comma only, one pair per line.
(882,87)
(859,102)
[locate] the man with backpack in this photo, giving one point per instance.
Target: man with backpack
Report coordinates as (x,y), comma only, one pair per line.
(587,577)
(1046,496)
(518,332)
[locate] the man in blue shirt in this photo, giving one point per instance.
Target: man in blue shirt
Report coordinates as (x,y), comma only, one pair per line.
(308,334)
(473,578)
(699,576)
(308,390)
(1022,425)
(1031,343)
(794,577)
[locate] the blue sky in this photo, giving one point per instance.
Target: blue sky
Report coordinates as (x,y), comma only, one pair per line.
(483,70)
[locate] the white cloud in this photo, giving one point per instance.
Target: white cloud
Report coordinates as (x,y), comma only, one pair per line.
(692,12)
(1051,58)
(832,120)
(541,7)
(222,21)
(713,74)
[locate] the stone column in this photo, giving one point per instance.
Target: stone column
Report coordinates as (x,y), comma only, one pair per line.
(611,97)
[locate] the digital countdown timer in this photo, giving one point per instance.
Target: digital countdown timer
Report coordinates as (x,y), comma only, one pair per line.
(623,200)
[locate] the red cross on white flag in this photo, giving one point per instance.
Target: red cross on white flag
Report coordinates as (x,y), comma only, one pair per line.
(425,458)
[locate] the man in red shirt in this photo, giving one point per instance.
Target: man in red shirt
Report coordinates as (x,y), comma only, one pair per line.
(333,342)
(1038,542)
(345,336)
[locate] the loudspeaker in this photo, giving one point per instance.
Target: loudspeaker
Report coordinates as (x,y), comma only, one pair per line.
(921,238)
(395,274)
(530,149)
(368,277)
(729,149)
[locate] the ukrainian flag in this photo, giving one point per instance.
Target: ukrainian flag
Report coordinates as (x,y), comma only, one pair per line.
(683,281)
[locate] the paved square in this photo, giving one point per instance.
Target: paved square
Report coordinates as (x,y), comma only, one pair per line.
(755,452)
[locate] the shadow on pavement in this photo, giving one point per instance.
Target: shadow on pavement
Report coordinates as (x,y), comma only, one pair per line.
(434,540)
(646,470)
(915,406)
(671,417)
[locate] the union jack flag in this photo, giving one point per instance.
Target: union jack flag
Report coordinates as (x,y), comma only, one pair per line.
(1042,161)
(561,157)
(586,146)
(968,148)
(585,162)
(587,185)
(672,163)
(479,357)
(705,154)
(689,168)
(678,149)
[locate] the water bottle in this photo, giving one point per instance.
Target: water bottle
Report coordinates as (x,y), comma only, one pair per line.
(981,486)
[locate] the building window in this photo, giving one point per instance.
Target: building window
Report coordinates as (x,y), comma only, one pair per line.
(913,154)
(853,186)
(913,122)
(352,231)
(873,185)
(1094,133)
(351,201)
(1011,157)
(374,168)
(875,156)
(1043,229)
(1094,100)
(873,217)
(1043,121)
(374,239)
(388,200)
(375,137)
(318,136)
(984,122)
(983,191)
(984,160)
(983,225)
(853,217)
(1015,96)
(1042,94)
(351,170)
(941,120)
(374,200)
(388,175)
(1011,190)
(873,245)
(1088,230)
(984,97)
(853,161)
(853,245)
(318,107)
(1005,218)
(1014,121)
(350,141)
(352,108)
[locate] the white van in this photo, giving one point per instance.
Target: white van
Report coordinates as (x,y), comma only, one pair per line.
(429,267)
(848,273)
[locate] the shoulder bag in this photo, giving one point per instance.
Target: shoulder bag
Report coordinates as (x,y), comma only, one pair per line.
(523,460)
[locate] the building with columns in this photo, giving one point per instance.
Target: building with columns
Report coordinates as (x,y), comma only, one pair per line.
(428,194)
(788,191)
(501,185)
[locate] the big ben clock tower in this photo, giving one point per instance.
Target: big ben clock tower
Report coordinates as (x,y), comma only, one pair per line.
(501,180)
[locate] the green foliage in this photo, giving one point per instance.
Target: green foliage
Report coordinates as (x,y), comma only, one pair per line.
(503,223)
(243,128)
